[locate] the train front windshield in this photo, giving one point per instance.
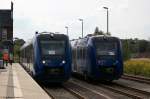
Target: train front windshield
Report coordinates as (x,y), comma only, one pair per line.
(106,50)
(52,47)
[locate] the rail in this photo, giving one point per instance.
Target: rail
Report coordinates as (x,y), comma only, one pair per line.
(137,78)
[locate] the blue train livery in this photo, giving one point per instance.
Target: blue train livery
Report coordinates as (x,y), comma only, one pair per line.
(97,57)
(47,57)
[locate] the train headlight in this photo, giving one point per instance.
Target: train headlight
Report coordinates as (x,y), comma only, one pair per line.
(52,35)
(43,62)
(63,61)
(115,63)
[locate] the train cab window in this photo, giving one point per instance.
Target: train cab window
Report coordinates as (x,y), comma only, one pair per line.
(106,49)
(52,47)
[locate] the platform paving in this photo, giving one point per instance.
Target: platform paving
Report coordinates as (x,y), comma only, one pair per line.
(15,83)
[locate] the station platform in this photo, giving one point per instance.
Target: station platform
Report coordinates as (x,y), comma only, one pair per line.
(16,83)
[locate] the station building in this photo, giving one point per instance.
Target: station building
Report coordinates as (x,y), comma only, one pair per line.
(6,30)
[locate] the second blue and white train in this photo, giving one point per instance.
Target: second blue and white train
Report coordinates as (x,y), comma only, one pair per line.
(97,57)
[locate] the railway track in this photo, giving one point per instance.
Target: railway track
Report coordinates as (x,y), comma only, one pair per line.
(71,90)
(76,89)
(85,91)
(62,93)
(47,91)
(136,78)
(124,90)
(128,91)
(98,89)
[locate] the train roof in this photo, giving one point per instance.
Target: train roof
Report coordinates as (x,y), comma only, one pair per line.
(83,41)
(104,37)
(96,36)
(43,34)
(49,34)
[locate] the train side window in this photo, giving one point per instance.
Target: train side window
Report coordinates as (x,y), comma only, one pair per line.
(27,54)
(84,53)
(80,53)
(73,53)
(24,53)
(32,53)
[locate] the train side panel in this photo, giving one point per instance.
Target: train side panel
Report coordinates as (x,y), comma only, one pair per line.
(81,60)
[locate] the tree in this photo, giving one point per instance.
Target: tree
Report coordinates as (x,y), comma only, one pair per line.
(17,45)
(108,33)
(143,46)
(101,32)
(126,49)
(98,32)
(19,42)
(148,47)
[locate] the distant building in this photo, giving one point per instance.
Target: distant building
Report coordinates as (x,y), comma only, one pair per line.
(6,29)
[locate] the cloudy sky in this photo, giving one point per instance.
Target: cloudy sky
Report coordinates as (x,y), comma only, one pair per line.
(127,18)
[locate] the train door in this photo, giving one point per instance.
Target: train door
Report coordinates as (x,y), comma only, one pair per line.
(24,57)
(83,58)
(79,56)
(30,57)
(74,57)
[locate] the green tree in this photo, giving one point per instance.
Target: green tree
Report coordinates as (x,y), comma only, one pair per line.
(108,33)
(98,32)
(126,49)
(17,45)
(148,47)
(143,44)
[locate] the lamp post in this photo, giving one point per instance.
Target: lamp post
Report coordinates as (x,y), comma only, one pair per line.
(66,29)
(107,17)
(82,26)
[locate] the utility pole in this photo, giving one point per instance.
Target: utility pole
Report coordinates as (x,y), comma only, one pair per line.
(66,29)
(107,19)
(82,26)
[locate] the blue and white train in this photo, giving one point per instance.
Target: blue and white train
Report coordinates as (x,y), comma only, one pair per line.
(97,57)
(47,57)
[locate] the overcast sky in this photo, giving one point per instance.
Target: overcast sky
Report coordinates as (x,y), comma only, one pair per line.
(127,18)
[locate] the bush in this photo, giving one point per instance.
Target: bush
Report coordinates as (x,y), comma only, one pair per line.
(137,67)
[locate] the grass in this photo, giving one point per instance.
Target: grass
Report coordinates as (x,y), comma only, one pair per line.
(137,67)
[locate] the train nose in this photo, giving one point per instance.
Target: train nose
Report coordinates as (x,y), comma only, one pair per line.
(53,62)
